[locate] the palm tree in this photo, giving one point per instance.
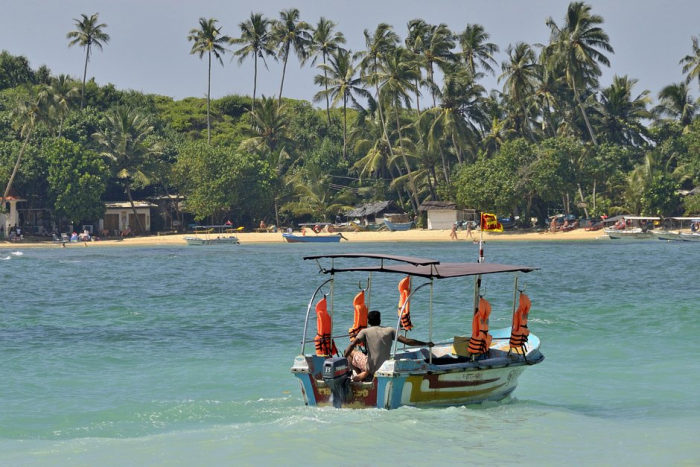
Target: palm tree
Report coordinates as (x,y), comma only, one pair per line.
(691,63)
(126,143)
(207,39)
(291,33)
(676,102)
(88,34)
(456,118)
(256,40)
(575,49)
(520,74)
(622,114)
(62,93)
(396,77)
(29,111)
(324,42)
(436,46)
(341,84)
(475,49)
(417,30)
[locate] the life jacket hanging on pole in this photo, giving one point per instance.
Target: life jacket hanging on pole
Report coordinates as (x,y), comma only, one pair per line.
(360,322)
(520,332)
(480,340)
(325,346)
(404,292)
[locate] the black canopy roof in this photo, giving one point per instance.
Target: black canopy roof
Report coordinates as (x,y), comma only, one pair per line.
(421,267)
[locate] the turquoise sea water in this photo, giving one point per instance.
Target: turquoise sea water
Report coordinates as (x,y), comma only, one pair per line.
(182,356)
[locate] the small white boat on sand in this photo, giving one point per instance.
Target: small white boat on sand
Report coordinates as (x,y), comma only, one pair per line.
(213,235)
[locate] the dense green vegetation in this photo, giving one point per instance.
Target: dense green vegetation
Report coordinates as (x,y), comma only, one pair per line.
(404,119)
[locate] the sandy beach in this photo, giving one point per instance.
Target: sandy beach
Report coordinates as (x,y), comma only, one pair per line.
(415,235)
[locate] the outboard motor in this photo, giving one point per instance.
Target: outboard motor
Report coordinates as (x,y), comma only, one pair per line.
(336,375)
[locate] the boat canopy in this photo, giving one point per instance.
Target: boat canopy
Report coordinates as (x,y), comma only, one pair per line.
(641,218)
(420,267)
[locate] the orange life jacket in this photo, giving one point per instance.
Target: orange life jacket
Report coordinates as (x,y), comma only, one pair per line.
(404,292)
(325,346)
(480,340)
(360,322)
(519,332)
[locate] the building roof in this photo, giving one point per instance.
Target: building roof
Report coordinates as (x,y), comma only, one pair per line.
(372,209)
(127,205)
(437,205)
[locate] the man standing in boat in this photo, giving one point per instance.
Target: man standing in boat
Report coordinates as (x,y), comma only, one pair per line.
(378,341)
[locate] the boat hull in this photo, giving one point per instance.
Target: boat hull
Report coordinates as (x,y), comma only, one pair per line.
(198,241)
(411,380)
(690,237)
(291,238)
(629,234)
(398,226)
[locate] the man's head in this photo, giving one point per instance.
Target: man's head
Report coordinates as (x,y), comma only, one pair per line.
(374,318)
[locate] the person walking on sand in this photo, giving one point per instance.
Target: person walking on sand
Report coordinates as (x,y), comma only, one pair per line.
(453,232)
(469,230)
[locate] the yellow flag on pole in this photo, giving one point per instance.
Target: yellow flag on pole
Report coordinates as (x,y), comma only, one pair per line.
(489,223)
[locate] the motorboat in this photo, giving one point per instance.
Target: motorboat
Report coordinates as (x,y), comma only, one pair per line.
(295,238)
(690,237)
(632,228)
(213,235)
(673,229)
(460,369)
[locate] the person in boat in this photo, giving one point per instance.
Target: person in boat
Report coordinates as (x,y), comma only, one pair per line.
(378,341)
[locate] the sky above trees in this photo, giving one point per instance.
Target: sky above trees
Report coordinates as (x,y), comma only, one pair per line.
(149,51)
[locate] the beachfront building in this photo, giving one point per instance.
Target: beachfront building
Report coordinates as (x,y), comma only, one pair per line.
(442,215)
(370,212)
(119,217)
(10,216)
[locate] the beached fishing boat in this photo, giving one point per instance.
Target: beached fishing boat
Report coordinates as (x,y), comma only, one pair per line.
(458,370)
(398,226)
(213,235)
(632,228)
(293,238)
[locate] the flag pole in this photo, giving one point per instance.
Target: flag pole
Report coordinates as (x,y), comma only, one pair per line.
(481,238)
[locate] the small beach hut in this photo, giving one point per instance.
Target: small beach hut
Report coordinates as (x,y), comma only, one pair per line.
(443,214)
(10,217)
(119,216)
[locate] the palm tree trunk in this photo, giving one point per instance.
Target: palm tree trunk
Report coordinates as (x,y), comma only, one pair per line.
(444,165)
(345,125)
(458,151)
(16,168)
(527,123)
(255,82)
(325,80)
(87,58)
(133,207)
(284,71)
(585,115)
(414,200)
(209,101)
(417,98)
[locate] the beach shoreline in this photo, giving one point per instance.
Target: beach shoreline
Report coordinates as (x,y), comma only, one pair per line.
(415,235)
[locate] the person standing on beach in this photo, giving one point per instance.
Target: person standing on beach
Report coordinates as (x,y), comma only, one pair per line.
(469,230)
(453,232)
